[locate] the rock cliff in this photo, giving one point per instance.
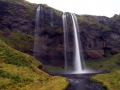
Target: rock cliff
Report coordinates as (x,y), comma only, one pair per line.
(100,35)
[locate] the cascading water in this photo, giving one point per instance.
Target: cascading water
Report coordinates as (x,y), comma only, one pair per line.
(65,40)
(77,55)
(36,39)
(72,47)
(79,65)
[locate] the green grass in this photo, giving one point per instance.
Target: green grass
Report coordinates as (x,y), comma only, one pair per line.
(21,41)
(55,80)
(18,40)
(105,64)
(55,69)
(18,71)
(111,81)
(104,28)
(10,56)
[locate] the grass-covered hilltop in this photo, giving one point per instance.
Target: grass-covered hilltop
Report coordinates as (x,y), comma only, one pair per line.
(100,39)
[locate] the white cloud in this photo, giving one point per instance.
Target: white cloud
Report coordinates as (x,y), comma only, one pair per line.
(92,7)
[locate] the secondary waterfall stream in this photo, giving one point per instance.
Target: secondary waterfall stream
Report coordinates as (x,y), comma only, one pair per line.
(37,31)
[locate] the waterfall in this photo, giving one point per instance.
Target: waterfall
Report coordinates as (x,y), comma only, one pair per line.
(37,31)
(77,55)
(72,43)
(78,63)
(65,40)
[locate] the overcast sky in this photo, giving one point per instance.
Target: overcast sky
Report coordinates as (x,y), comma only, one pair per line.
(92,7)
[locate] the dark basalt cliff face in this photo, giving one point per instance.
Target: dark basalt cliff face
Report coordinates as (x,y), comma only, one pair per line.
(100,35)
(17,24)
(99,38)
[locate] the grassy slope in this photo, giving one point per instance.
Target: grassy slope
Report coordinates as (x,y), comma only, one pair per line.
(106,64)
(111,81)
(18,71)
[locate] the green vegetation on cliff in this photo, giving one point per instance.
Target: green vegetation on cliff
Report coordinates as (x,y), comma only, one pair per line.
(21,41)
(111,81)
(19,71)
(86,21)
(18,40)
(105,64)
(22,7)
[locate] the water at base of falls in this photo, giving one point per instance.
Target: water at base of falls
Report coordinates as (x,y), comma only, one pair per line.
(85,71)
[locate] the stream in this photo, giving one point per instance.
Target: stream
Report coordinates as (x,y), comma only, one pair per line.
(81,82)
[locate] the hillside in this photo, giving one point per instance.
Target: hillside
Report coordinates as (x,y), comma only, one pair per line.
(105,64)
(110,81)
(19,71)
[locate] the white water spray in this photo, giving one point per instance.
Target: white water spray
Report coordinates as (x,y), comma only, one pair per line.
(77,55)
(79,65)
(65,40)
(36,40)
